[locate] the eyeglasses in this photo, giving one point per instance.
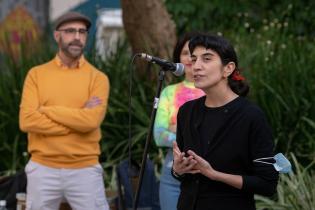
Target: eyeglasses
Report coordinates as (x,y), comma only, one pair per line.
(73,31)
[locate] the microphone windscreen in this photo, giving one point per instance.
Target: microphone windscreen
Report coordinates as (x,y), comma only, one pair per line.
(180,69)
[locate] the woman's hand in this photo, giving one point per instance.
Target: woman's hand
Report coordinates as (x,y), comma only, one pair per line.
(196,164)
(182,164)
(202,166)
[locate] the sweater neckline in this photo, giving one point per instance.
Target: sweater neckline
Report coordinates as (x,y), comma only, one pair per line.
(61,65)
(226,106)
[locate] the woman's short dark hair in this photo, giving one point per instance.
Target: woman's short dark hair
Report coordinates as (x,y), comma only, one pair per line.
(180,45)
(227,54)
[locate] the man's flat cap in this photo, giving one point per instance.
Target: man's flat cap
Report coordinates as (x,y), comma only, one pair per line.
(72,16)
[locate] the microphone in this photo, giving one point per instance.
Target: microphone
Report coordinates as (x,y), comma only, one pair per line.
(176,68)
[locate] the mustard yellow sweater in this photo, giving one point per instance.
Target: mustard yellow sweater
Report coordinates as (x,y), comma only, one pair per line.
(61,132)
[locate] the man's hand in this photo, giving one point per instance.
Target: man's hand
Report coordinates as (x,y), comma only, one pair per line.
(181,163)
(93,102)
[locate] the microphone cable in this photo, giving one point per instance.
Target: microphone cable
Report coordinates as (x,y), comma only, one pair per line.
(130,116)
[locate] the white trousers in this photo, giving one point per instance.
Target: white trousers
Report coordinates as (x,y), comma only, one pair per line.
(82,188)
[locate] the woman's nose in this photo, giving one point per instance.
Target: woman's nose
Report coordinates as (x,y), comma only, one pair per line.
(196,65)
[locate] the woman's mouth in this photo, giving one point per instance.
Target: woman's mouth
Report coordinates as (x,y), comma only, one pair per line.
(197,77)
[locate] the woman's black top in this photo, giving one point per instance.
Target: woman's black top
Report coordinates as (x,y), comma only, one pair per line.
(229,137)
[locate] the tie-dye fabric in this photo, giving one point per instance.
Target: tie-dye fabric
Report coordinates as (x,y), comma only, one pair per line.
(172,97)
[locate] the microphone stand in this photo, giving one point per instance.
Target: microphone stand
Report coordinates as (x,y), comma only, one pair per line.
(149,136)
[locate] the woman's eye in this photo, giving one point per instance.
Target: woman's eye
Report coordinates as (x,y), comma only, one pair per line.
(185,53)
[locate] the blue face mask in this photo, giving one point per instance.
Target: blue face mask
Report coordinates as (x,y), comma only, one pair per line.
(282,164)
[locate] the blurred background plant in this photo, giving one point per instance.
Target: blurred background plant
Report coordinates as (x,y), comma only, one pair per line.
(295,191)
(275,45)
(275,42)
(13,147)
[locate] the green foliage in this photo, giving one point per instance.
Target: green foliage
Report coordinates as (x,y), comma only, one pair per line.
(275,44)
(12,140)
(218,15)
(282,81)
(295,191)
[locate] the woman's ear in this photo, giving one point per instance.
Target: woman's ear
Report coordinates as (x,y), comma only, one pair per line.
(228,69)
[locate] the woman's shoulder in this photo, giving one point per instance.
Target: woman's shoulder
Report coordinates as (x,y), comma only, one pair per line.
(193,103)
(252,110)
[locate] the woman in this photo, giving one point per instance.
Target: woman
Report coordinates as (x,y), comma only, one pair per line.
(220,135)
(172,97)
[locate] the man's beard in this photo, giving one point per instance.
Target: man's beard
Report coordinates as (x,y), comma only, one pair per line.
(68,50)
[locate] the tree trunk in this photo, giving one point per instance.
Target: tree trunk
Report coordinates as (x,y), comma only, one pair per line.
(149,29)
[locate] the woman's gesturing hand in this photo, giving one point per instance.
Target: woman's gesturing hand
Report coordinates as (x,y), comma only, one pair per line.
(182,164)
(202,165)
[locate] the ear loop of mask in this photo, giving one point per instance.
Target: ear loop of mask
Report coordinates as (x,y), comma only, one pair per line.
(265,158)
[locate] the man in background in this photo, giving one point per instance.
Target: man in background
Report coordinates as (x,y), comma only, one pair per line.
(63,104)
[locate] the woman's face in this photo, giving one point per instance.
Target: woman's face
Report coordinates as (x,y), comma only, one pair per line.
(208,70)
(186,60)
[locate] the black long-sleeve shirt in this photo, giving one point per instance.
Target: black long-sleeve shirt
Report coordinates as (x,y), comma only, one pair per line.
(238,133)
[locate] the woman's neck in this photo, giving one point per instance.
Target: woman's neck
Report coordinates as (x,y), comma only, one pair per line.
(216,97)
